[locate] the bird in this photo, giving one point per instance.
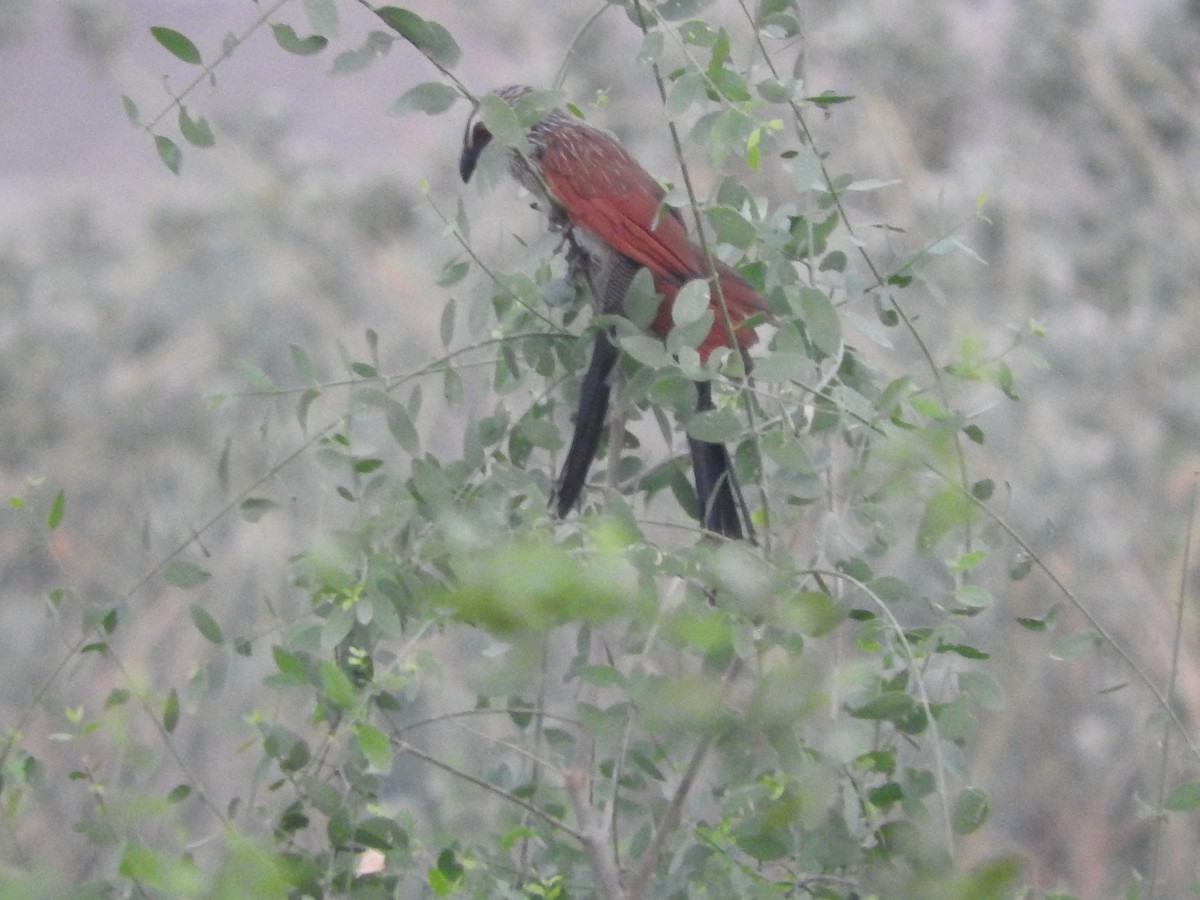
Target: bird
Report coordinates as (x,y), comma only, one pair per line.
(612,211)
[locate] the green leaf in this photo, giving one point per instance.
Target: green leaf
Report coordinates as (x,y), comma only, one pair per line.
(184,574)
(195,131)
(730,84)
(323,17)
(168,152)
(257,378)
(983,689)
(170,716)
(827,99)
(967,561)
(131,110)
(446,323)
(964,650)
(429,37)
(291,667)
(763,843)
(287,38)
(447,876)
(687,91)
(813,613)
(1183,798)
(821,322)
(775,91)
(287,747)
(1077,646)
(367,466)
(254,508)
(302,405)
(178,44)
(718,426)
(223,465)
(671,10)
(430,98)
(691,302)
(377,44)
(646,350)
(651,49)
(206,624)
(336,685)
(452,273)
(1032,624)
(835,261)
(303,362)
(754,151)
(57,507)
(731,226)
(970,811)
(375,747)
(891,706)
(173,876)
(870,184)
(782,365)
(946,510)
(973,597)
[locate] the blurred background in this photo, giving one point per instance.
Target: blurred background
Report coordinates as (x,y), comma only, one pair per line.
(132,300)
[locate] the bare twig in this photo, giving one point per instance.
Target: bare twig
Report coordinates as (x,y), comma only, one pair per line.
(209,69)
(1105,635)
(666,825)
(593,835)
(550,820)
(1165,756)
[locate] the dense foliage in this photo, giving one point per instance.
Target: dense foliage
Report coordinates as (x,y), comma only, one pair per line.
(445,690)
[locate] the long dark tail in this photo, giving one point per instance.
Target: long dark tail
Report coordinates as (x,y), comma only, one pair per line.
(716,490)
(607,276)
(589,424)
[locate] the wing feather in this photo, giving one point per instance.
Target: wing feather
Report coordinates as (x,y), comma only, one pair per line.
(605,191)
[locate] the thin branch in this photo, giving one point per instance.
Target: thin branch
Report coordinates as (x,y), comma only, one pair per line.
(1141,675)
(670,819)
(209,69)
(446,73)
(600,855)
(496,280)
(1165,756)
(561,75)
(918,679)
(540,813)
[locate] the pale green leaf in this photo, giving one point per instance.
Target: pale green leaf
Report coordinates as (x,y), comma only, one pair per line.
(168,152)
(184,574)
(375,747)
(429,37)
(287,38)
(178,44)
(430,98)
(206,624)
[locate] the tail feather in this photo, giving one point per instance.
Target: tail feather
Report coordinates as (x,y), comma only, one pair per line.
(589,424)
(716,489)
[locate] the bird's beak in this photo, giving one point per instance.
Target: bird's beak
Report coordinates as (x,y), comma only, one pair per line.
(474,140)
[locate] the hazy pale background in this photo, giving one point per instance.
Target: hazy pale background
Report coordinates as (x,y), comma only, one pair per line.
(128,297)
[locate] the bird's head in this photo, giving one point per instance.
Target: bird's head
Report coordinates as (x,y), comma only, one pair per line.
(529,107)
